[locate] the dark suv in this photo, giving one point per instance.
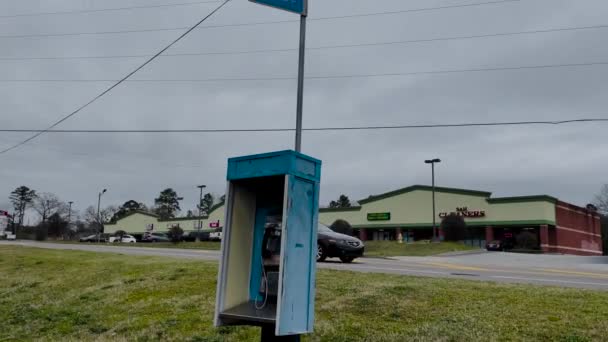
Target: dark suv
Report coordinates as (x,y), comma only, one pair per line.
(335,245)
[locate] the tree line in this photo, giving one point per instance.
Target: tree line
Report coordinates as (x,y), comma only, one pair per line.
(58,219)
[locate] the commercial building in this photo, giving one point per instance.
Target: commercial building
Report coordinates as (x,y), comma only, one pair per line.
(407,214)
(140,222)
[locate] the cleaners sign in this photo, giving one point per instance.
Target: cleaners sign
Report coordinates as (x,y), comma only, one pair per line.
(464,212)
(297,6)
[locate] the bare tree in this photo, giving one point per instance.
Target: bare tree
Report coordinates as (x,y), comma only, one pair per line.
(601,200)
(47,204)
(97,221)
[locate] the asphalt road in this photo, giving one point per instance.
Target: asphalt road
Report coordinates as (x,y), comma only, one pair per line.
(553,270)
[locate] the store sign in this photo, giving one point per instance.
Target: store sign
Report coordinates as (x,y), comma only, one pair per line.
(214,224)
(379,216)
(464,212)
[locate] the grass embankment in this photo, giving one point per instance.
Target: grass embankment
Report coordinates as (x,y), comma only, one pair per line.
(82,296)
(393,248)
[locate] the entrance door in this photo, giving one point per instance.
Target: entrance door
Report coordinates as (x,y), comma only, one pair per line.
(382,235)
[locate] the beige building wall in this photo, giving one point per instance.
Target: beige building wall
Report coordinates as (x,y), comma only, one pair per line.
(137,222)
(408,209)
(414,209)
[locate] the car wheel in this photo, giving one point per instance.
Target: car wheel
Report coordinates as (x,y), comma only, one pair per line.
(321,254)
(346,259)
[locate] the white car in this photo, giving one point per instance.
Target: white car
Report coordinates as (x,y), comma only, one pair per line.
(215,236)
(125,239)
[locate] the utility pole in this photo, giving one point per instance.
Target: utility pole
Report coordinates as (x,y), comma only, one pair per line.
(200,213)
(432,162)
(300,104)
(70,214)
(99,221)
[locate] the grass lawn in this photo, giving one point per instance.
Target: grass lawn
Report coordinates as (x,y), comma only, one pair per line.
(82,296)
(392,248)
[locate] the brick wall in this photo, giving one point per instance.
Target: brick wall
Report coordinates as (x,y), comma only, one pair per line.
(577,231)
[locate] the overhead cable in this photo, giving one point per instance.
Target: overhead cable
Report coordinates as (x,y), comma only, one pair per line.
(38,14)
(79,109)
(316,77)
(324,47)
(312,129)
(67,34)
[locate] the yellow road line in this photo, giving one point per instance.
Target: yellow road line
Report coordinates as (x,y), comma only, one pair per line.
(587,274)
(455,267)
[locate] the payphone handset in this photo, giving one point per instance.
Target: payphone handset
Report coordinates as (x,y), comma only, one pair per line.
(270,252)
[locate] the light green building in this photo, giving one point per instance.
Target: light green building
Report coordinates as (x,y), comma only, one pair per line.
(139,222)
(408,213)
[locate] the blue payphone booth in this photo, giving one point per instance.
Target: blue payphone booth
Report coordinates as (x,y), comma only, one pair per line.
(267,270)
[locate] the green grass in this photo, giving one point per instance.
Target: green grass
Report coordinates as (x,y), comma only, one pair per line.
(393,248)
(50,295)
(208,245)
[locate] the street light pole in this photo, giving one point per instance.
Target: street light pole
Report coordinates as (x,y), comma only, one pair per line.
(301,82)
(70,214)
(99,214)
(432,162)
(70,211)
(200,213)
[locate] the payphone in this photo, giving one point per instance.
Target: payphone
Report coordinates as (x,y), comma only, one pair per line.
(268,265)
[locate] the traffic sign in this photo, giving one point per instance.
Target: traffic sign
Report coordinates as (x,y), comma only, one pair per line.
(297,6)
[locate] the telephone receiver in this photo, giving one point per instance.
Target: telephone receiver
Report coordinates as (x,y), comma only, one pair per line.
(271,244)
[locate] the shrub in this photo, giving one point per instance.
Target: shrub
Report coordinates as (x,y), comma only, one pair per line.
(342,227)
(175,234)
(42,233)
(527,240)
(454,227)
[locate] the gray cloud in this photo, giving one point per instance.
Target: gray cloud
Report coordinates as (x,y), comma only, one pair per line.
(565,161)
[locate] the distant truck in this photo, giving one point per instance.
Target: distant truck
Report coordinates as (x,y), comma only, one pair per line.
(5,226)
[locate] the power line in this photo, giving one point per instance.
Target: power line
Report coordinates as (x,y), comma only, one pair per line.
(106,9)
(117,83)
(354,128)
(263,22)
(319,77)
(397,42)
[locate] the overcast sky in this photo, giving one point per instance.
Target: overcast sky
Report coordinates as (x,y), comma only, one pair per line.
(569,162)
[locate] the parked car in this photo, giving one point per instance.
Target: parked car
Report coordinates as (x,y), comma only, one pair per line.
(125,239)
(495,245)
(94,238)
(216,235)
(156,237)
(335,245)
(191,236)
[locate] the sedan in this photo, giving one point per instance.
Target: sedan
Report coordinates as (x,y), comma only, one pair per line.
(125,239)
(156,237)
(335,245)
(93,238)
(495,245)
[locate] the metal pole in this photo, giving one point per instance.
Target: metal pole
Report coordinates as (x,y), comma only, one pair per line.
(200,214)
(70,215)
(434,224)
(70,212)
(301,83)
(98,217)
